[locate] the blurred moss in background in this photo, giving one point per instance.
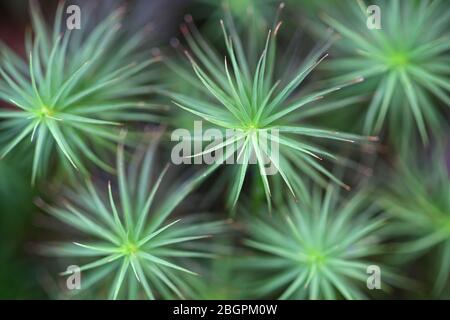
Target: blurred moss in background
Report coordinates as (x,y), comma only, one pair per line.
(18,271)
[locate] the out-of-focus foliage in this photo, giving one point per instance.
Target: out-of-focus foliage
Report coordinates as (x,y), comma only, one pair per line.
(419,199)
(406,63)
(18,271)
(316,249)
(72,92)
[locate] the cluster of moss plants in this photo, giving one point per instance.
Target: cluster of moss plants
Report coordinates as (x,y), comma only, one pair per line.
(357,123)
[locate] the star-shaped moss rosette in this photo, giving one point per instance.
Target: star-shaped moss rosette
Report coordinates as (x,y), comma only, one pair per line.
(319,248)
(419,200)
(405,63)
(73,90)
(241,94)
(131,248)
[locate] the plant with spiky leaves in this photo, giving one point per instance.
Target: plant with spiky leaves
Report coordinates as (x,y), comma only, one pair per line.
(419,200)
(316,249)
(136,247)
(73,91)
(244,97)
(406,63)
